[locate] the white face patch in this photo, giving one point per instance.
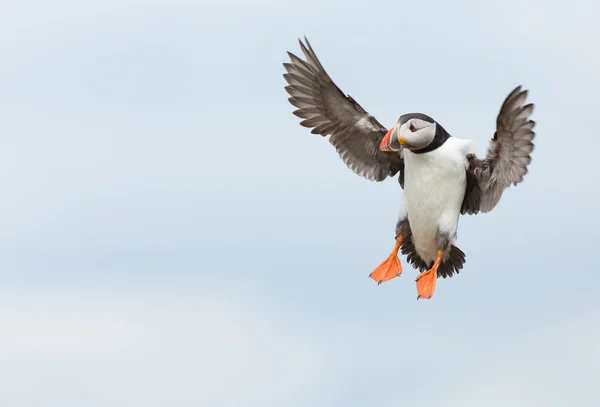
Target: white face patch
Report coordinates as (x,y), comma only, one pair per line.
(418,133)
(418,123)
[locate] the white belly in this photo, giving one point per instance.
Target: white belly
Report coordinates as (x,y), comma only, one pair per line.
(434,188)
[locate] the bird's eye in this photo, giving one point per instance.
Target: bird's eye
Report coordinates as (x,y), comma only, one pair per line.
(412,127)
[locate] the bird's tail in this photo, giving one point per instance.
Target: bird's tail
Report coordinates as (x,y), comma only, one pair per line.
(453,263)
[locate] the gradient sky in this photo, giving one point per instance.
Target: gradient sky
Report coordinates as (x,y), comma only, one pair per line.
(170,236)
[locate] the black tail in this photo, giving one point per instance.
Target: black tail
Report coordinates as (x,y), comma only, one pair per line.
(453,263)
(454,258)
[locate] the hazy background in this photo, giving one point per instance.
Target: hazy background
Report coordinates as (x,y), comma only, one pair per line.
(171,236)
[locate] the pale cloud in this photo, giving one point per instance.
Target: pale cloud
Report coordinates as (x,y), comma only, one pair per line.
(563,32)
(205,350)
(146,346)
(554,364)
(47,332)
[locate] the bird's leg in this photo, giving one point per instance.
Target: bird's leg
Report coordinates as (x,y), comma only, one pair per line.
(426,281)
(390,268)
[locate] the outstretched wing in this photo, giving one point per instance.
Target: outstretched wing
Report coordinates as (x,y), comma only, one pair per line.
(507,157)
(355,134)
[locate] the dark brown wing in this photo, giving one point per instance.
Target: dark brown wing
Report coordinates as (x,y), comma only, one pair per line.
(507,157)
(355,134)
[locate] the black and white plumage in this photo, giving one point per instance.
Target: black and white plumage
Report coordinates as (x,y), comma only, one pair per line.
(441,176)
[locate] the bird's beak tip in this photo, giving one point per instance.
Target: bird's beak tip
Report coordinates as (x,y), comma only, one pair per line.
(387,140)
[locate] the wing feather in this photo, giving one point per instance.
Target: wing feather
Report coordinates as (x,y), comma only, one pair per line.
(354,133)
(507,158)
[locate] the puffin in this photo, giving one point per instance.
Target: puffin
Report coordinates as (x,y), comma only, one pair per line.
(440,175)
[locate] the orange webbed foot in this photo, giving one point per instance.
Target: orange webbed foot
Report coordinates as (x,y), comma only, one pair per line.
(390,268)
(426,281)
(426,284)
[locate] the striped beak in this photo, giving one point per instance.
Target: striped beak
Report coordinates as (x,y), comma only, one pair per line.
(390,141)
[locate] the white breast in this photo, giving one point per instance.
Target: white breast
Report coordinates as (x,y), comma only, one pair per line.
(434,188)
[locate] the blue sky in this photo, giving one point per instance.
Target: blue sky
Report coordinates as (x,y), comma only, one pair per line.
(171,236)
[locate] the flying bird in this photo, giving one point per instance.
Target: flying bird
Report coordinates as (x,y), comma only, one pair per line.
(441,175)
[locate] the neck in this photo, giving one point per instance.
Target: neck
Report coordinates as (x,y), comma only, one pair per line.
(441,135)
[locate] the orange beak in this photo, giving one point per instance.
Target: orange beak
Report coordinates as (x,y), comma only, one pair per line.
(387,140)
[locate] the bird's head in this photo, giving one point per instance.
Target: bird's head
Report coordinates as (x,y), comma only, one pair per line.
(413,131)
